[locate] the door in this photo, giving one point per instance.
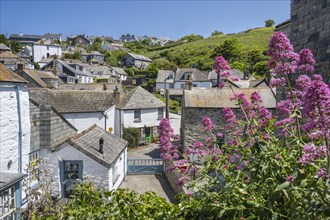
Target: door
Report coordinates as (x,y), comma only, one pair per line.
(71,171)
(148,134)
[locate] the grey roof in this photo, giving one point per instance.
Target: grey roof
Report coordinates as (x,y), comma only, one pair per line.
(87,142)
(6,75)
(139,57)
(90,86)
(73,101)
(197,75)
(234,72)
(27,36)
(163,74)
(96,53)
(8,179)
(45,60)
(138,98)
(68,67)
(38,75)
(4,47)
(220,98)
(99,70)
(118,70)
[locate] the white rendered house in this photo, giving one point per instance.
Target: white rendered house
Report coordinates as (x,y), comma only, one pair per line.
(45,49)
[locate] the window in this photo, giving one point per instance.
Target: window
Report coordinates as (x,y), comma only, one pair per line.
(47,47)
(194,85)
(115,173)
(182,86)
(160,113)
(33,166)
(71,171)
(137,115)
(7,204)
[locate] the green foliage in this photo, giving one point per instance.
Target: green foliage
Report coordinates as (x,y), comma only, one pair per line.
(159,64)
(96,46)
(260,69)
(191,38)
(150,85)
(15,46)
(36,66)
(132,135)
(216,33)
(174,105)
(113,57)
(75,55)
(238,65)
(4,40)
(230,50)
(269,23)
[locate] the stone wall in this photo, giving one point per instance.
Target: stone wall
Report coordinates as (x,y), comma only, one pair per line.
(173,177)
(310,28)
(48,128)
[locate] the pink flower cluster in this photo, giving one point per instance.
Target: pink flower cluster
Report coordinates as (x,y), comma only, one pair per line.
(282,58)
(166,133)
(316,109)
(278,82)
(221,67)
(312,153)
(306,61)
(207,123)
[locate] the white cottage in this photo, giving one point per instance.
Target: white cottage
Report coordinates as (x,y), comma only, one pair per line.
(45,49)
(81,108)
(14,139)
(199,78)
(94,154)
(139,109)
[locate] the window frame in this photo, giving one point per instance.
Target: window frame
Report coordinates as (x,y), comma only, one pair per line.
(137,115)
(160,110)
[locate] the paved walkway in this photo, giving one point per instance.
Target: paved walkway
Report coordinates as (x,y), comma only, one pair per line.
(145,152)
(156,183)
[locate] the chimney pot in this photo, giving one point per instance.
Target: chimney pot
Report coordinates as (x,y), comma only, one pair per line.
(101,142)
(20,67)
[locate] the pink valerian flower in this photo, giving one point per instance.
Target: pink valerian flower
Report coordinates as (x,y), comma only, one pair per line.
(207,123)
(235,78)
(166,133)
(278,82)
(306,61)
(316,109)
(255,98)
(286,121)
(285,108)
(312,153)
(182,180)
(303,82)
(282,57)
(230,118)
(220,135)
(290,179)
(322,173)
(221,67)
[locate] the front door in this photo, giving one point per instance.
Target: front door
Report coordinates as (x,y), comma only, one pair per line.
(71,171)
(148,134)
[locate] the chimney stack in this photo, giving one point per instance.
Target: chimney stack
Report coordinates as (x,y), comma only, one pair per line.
(189,82)
(116,95)
(101,142)
(20,67)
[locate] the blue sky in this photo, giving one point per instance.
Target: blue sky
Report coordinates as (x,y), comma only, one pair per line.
(174,18)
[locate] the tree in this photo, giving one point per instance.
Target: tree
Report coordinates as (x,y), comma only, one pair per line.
(230,50)
(192,37)
(4,40)
(269,23)
(113,58)
(215,33)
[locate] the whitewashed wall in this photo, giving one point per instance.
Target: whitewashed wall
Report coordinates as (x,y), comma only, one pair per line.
(118,122)
(9,128)
(40,51)
(149,117)
(82,121)
(121,166)
(177,85)
(92,170)
(160,85)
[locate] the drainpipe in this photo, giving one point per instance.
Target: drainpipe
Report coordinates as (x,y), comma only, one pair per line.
(105,120)
(20,139)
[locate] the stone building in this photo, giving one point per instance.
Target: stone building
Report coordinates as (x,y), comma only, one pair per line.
(310,28)
(198,103)
(135,60)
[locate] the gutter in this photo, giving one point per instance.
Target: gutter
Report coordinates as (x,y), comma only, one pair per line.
(20,135)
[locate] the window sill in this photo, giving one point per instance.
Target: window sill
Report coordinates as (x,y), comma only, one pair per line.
(159,119)
(137,121)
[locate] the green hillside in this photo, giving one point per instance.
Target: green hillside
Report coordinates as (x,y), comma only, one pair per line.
(252,43)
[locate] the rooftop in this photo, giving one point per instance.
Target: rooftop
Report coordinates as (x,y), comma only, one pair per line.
(139,57)
(4,47)
(201,98)
(87,142)
(73,101)
(163,74)
(38,75)
(6,75)
(139,98)
(8,179)
(197,75)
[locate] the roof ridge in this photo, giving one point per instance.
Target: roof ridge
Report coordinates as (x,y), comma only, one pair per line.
(83,132)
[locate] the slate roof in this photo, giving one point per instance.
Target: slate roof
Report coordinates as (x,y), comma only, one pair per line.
(8,54)
(27,36)
(197,75)
(96,53)
(163,74)
(8,179)
(139,98)
(73,101)
(219,98)
(119,70)
(68,67)
(87,142)
(6,75)
(4,47)
(139,57)
(234,72)
(38,75)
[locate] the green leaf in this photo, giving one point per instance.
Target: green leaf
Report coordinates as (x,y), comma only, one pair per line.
(282,186)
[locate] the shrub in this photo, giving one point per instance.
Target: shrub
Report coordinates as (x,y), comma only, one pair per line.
(132,135)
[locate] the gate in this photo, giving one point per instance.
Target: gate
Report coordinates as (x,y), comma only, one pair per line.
(145,166)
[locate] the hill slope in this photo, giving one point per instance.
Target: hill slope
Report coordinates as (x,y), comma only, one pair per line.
(198,53)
